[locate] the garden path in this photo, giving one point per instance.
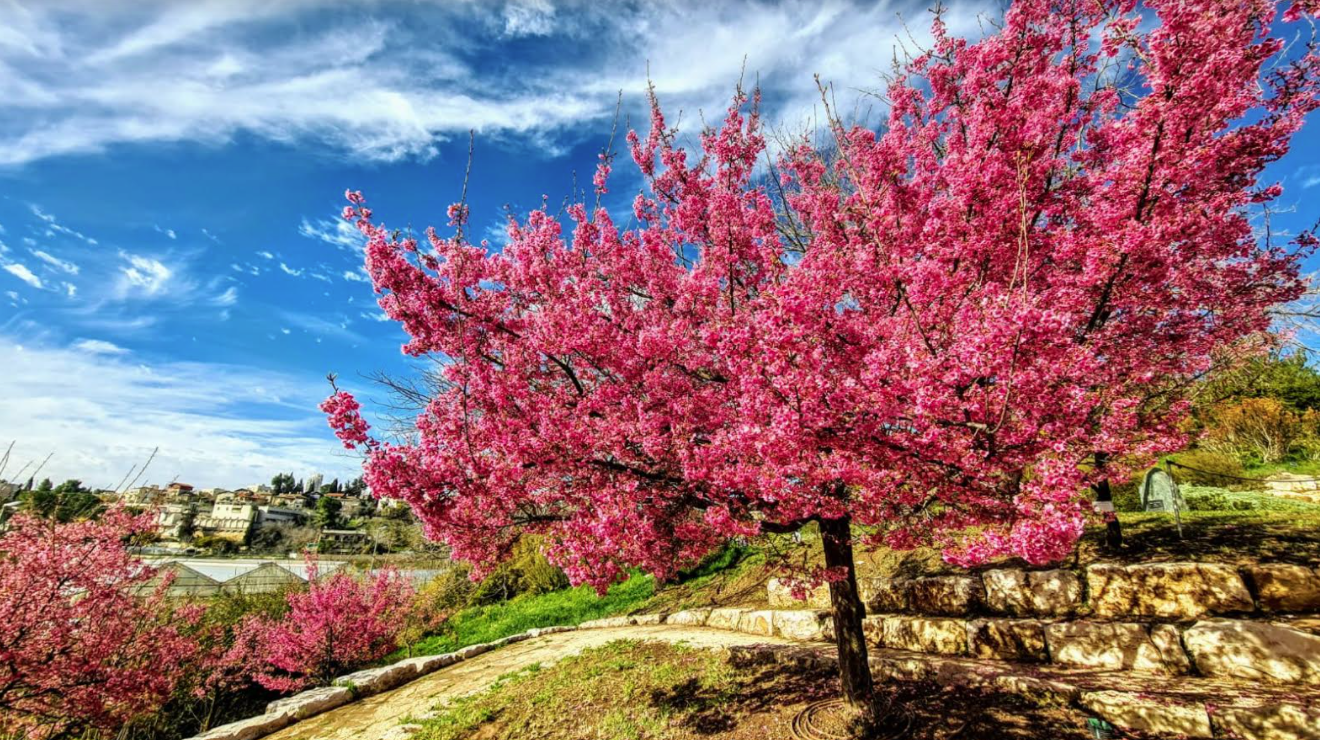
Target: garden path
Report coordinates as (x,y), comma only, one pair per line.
(375,717)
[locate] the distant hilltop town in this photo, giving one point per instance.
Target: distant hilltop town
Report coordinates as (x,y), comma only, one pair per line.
(285,515)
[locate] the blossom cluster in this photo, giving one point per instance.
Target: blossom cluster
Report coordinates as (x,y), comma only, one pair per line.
(945,330)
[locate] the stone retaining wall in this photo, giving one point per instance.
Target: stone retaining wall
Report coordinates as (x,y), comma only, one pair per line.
(1178,592)
(1220,648)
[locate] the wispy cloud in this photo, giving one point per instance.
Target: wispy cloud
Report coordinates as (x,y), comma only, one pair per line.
(356,276)
(290,270)
(99,347)
(215,424)
(143,276)
(167,232)
(55,262)
(20,271)
(53,226)
(295,70)
(227,298)
(334,231)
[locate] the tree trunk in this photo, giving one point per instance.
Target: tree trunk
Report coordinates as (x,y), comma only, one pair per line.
(854,670)
(1113,530)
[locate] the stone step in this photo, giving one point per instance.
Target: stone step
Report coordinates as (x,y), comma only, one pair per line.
(1163,706)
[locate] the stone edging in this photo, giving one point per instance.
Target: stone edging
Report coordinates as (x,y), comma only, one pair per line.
(347,689)
(1155,591)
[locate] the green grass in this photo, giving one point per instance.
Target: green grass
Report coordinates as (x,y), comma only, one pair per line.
(567,607)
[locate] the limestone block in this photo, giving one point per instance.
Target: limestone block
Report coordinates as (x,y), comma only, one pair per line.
(944,595)
(1167,590)
(781,596)
(1257,651)
(1112,646)
(724,619)
(1037,593)
(648,619)
(428,663)
(539,631)
(757,622)
(1285,588)
(472,651)
(924,634)
(883,594)
(1272,721)
(250,728)
(1168,642)
(1145,713)
(873,628)
(799,624)
(311,702)
(604,623)
(1006,639)
(375,680)
(689,617)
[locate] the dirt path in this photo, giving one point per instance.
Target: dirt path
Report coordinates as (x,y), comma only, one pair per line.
(373,717)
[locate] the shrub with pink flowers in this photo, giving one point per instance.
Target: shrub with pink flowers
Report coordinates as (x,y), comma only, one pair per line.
(340,623)
(87,641)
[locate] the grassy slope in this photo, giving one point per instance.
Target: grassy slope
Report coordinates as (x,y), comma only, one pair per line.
(665,692)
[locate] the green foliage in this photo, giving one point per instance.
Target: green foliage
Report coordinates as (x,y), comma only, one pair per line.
(217,545)
(526,572)
(479,624)
(327,511)
(65,504)
(1286,377)
(1207,468)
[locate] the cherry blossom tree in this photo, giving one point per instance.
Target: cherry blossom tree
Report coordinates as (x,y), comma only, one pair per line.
(338,624)
(941,332)
(87,641)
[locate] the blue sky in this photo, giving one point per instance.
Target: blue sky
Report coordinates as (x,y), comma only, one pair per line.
(172,270)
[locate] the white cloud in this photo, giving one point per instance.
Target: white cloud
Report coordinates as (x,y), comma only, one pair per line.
(289,270)
(304,70)
(53,226)
(215,424)
(528,18)
(55,262)
(284,331)
(376,316)
(70,290)
(21,272)
(334,231)
(356,276)
(167,232)
(143,276)
(99,347)
(227,298)
(266,255)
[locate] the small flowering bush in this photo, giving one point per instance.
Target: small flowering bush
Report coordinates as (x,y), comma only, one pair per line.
(937,329)
(87,642)
(338,624)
